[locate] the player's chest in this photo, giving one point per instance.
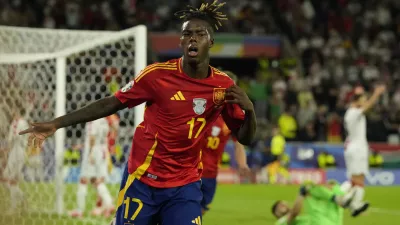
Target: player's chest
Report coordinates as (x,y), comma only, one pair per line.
(180,99)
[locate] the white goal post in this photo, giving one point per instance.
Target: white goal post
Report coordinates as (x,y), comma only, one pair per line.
(50,72)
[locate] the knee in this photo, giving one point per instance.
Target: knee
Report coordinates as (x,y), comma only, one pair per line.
(358,180)
(83,180)
(98,181)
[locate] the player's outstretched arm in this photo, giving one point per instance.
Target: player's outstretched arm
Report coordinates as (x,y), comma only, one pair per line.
(98,109)
(295,211)
(379,90)
(246,133)
(241,159)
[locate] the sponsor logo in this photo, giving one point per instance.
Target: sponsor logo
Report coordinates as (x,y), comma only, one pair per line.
(301,176)
(128,86)
(151,176)
(381,178)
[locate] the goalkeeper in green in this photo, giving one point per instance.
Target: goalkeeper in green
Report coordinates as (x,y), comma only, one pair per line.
(320,205)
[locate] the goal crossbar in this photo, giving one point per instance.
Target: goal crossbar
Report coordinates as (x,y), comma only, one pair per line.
(109,37)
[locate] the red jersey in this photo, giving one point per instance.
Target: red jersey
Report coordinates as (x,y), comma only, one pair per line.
(180,110)
(215,143)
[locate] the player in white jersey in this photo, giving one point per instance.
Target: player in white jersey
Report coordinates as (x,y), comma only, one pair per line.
(94,166)
(113,122)
(356,146)
(15,160)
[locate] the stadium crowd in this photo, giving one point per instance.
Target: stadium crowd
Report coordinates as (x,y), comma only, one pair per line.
(336,45)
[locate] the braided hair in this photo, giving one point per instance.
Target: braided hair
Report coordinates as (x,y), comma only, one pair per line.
(208,12)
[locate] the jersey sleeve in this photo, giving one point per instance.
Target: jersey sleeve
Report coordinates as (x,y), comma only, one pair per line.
(233,116)
(139,90)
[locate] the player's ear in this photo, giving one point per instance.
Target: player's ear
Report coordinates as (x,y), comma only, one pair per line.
(211,43)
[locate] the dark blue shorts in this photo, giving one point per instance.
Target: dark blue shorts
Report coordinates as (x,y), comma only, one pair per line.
(140,204)
(208,187)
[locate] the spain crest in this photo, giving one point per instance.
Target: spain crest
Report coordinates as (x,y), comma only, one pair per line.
(219,96)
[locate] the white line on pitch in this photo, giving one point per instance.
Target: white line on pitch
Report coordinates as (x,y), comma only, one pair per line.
(385,211)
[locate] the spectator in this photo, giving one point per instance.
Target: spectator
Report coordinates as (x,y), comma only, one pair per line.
(277,155)
(288,124)
(334,127)
(308,134)
(375,160)
(321,123)
(306,113)
(258,93)
(326,160)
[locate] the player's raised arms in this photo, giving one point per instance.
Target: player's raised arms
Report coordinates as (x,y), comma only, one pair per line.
(379,90)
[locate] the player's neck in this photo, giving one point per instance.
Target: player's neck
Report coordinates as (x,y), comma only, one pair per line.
(198,70)
(354,105)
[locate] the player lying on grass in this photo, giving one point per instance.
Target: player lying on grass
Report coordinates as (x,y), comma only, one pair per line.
(184,97)
(215,143)
(323,204)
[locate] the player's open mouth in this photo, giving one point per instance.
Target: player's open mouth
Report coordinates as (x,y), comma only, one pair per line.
(193,51)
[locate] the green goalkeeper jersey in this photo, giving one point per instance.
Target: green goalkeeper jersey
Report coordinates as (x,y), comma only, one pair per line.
(321,209)
(299,220)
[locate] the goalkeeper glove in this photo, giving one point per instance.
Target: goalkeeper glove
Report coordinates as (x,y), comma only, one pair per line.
(303,190)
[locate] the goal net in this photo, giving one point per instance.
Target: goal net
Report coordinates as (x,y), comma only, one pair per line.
(46,73)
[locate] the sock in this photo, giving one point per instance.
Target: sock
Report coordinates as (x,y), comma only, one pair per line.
(81,197)
(358,197)
(104,195)
(346,186)
(99,203)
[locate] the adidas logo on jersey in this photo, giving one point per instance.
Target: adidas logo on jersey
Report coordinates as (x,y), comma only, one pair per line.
(178,96)
(197,221)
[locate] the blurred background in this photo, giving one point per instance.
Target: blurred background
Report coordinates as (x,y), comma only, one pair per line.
(298,60)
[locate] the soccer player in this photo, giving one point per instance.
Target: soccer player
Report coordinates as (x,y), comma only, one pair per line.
(322,205)
(94,168)
(356,145)
(184,98)
(34,165)
(216,141)
(113,123)
(16,160)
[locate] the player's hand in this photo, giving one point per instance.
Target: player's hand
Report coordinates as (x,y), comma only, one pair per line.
(244,170)
(38,133)
(235,95)
(380,89)
(303,190)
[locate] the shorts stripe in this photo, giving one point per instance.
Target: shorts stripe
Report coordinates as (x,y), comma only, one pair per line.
(137,174)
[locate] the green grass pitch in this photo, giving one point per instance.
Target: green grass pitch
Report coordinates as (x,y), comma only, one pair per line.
(233,205)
